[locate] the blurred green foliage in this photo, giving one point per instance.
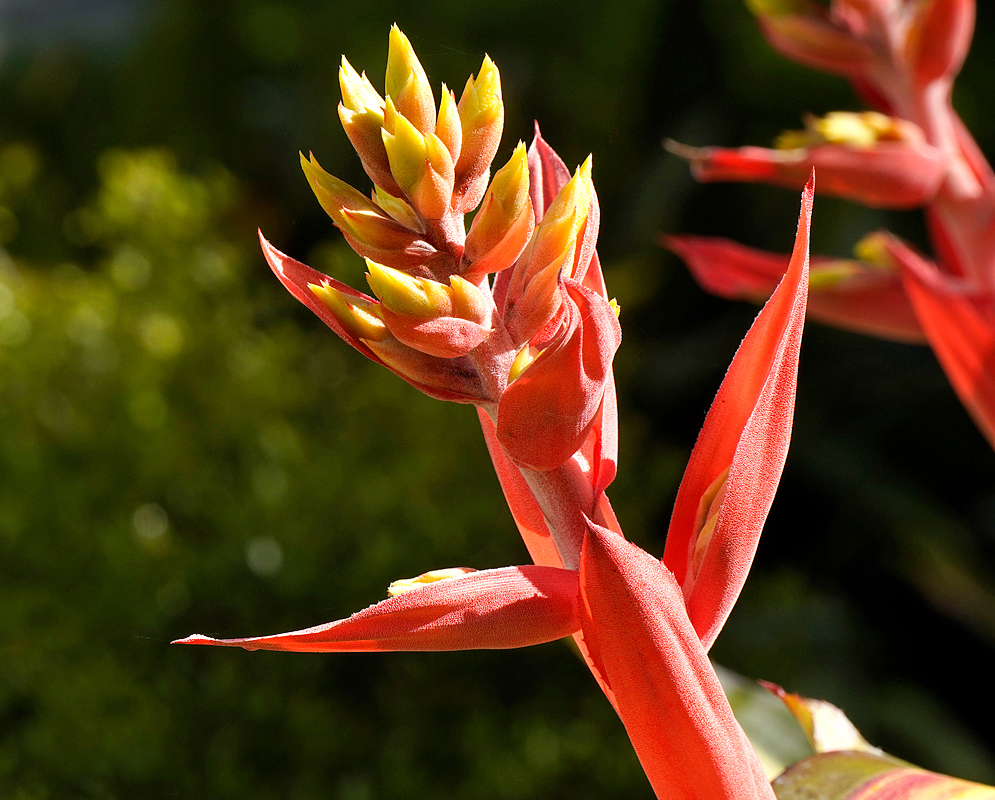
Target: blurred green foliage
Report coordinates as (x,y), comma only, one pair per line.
(184,448)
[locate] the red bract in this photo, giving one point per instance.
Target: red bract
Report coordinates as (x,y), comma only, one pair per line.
(667,694)
(736,463)
(534,354)
(863,297)
(902,57)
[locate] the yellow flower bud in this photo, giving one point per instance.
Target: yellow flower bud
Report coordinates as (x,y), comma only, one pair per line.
(449,128)
(359,317)
(358,94)
(481,112)
(404,294)
(408,584)
(506,201)
(407,85)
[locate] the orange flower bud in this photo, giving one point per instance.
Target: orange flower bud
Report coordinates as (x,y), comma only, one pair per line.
(362,114)
(369,231)
(481,112)
(505,221)
(449,129)
(421,164)
(406,83)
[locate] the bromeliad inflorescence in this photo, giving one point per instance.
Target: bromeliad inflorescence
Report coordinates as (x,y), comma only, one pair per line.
(911,151)
(513,317)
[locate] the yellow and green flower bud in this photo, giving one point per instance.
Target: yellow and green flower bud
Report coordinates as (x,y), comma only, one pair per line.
(406,83)
(360,318)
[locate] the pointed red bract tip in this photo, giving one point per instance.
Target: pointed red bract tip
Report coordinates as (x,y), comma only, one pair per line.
(666,691)
(960,329)
(746,431)
(490,609)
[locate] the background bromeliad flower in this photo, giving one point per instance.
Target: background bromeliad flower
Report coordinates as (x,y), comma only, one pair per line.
(912,151)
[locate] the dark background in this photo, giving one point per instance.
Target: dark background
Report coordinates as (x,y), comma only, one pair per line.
(184,448)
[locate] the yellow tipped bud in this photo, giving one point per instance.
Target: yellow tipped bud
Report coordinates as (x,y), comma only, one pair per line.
(421,164)
(397,209)
(872,250)
(556,237)
(468,301)
(408,584)
(502,227)
(481,112)
(407,85)
(852,129)
(406,152)
(359,317)
(358,94)
(523,361)
(404,294)
(510,185)
(481,101)
(449,128)
(333,194)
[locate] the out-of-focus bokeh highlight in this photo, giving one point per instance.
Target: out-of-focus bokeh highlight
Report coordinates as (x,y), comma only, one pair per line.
(184,448)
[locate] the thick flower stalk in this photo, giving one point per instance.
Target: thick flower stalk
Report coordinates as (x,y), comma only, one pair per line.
(911,151)
(512,316)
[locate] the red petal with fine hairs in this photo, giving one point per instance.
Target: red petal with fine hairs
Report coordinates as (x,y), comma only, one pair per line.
(746,431)
(961,331)
(816,41)
(871,302)
(491,610)
(442,378)
(295,278)
(886,175)
(547,174)
(667,693)
(546,413)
